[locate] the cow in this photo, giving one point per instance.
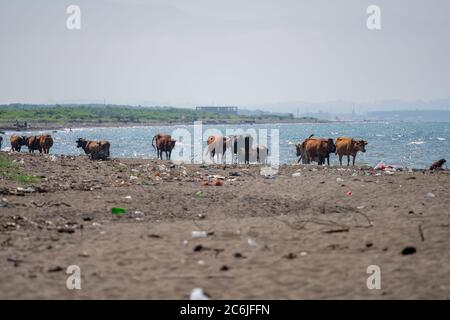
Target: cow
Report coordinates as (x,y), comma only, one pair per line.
(97,150)
(17,142)
(241,148)
(33,143)
(45,143)
(438,165)
(217,145)
(319,150)
(164,143)
(262,153)
(349,147)
(301,150)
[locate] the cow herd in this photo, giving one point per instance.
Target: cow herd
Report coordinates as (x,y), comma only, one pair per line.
(319,150)
(241,148)
(43,143)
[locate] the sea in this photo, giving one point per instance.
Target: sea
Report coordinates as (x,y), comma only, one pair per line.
(403,144)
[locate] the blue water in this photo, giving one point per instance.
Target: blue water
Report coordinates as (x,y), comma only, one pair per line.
(414,145)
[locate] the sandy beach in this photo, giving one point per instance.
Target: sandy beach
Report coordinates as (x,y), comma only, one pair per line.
(307,232)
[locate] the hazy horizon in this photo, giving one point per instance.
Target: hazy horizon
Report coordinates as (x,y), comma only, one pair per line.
(252,54)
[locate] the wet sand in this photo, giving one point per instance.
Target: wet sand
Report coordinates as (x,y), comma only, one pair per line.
(285,237)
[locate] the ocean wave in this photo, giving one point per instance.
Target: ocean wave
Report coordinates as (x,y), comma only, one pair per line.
(417,142)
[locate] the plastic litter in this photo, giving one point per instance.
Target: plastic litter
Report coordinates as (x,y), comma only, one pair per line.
(349,193)
(199,194)
(296,174)
(251,242)
(199,234)
(198,294)
(430,195)
(29,189)
(339,180)
(118,211)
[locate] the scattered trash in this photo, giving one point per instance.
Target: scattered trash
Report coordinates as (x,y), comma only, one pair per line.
(303,253)
(349,193)
(217,183)
(382,166)
(430,195)
(118,211)
(296,174)
(55,269)
(133,177)
(198,248)
(199,294)
(127,197)
(216,176)
(268,172)
(339,180)
(199,194)
(251,242)
(224,268)
(199,234)
(408,251)
(360,207)
(28,190)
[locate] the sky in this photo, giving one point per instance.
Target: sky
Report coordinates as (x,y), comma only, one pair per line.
(223,52)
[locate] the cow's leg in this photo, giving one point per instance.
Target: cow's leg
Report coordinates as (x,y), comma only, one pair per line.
(328,159)
(354,159)
(348,160)
(340,159)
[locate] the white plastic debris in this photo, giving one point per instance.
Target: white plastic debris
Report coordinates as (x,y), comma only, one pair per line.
(339,180)
(251,242)
(198,294)
(268,171)
(29,189)
(127,197)
(133,177)
(296,174)
(430,195)
(199,234)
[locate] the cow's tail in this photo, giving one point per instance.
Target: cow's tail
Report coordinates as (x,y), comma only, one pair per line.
(153,140)
(312,135)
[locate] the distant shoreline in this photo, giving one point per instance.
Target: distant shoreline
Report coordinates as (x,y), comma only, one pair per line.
(80,124)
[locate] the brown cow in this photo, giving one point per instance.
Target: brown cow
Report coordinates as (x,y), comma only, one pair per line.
(217,145)
(319,149)
(17,142)
(45,143)
(438,165)
(349,147)
(301,150)
(164,143)
(33,143)
(96,149)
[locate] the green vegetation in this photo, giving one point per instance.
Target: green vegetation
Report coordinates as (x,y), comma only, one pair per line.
(115,113)
(8,170)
